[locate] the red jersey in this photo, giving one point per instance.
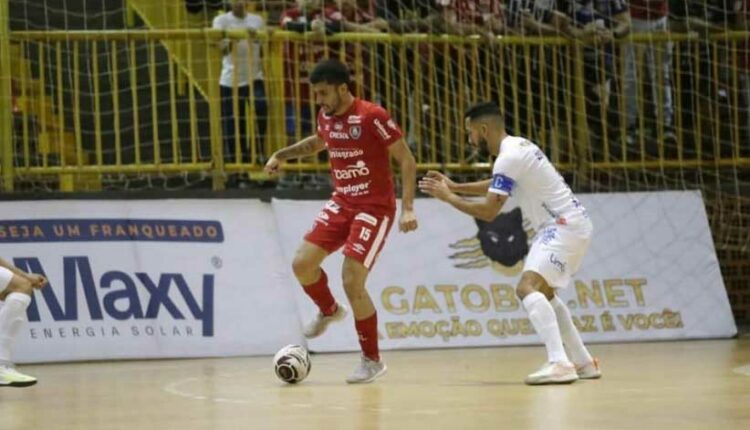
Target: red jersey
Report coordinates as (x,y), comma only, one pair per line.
(648,10)
(357,144)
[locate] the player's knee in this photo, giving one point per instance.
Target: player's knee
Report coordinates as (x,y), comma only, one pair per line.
(302,266)
(353,285)
(523,290)
(548,291)
(354,292)
(530,283)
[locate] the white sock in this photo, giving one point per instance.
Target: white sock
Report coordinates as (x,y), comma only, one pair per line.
(12,319)
(543,319)
(570,336)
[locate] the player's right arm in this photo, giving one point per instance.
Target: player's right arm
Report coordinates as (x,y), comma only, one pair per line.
(478,188)
(37,281)
(307,146)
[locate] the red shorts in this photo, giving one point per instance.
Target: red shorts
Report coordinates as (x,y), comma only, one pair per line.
(360,231)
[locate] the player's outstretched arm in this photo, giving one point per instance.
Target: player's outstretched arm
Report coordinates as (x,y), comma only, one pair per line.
(400,151)
(307,146)
(478,188)
(37,281)
(486,209)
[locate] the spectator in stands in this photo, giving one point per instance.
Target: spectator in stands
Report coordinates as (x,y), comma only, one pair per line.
(649,17)
(702,89)
(742,23)
(241,73)
(357,19)
(321,18)
(597,23)
(467,17)
(307,16)
(410,16)
(533,17)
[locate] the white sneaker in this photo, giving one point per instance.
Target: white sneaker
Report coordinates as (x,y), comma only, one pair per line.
(10,377)
(367,371)
(319,324)
(589,370)
(553,373)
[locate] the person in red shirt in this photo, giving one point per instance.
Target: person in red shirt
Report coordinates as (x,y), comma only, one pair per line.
(360,138)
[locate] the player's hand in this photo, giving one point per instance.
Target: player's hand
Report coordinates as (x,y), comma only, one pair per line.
(408,221)
(437,188)
(37,281)
(272,166)
(434,174)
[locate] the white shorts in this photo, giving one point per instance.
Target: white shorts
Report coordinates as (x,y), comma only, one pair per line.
(557,253)
(5,277)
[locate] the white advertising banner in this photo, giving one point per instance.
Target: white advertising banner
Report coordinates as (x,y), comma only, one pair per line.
(651,273)
(148,279)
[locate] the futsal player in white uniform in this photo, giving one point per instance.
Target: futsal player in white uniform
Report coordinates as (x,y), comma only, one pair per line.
(16,288)
(563,233)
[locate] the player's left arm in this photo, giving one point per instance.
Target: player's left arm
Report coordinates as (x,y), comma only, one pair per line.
(485,210)
(400,151)
(37,281)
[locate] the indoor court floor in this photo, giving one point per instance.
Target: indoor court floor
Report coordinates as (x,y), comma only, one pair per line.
(665,385)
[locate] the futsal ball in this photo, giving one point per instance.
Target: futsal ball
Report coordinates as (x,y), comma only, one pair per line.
(292,363)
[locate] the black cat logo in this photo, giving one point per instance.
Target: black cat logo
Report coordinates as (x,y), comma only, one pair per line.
(503,240)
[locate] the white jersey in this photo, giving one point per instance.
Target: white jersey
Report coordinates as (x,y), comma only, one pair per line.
(249,67)
(523,172)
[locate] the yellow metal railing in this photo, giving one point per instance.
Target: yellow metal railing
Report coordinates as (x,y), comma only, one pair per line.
(6,134)
(108,102)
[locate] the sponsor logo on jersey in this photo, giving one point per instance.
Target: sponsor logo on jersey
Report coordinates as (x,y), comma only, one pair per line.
(354,119)
(381,130)
(557,263)
(338,135)
(332,206)
(392,124)
(352,171)
(359,248)
(338,126)
(355,131)
(354,189)
(323,217)
(345,152)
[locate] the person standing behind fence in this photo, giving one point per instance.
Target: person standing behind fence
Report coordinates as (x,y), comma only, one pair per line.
(649,17)
(241,70)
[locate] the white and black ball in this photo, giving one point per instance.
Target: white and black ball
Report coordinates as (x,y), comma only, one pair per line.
(292,364)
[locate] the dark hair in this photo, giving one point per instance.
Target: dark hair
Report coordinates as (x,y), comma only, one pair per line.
(330,71)
(483,109)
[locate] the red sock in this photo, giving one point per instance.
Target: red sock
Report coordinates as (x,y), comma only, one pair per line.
(321,295)
(367,329)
